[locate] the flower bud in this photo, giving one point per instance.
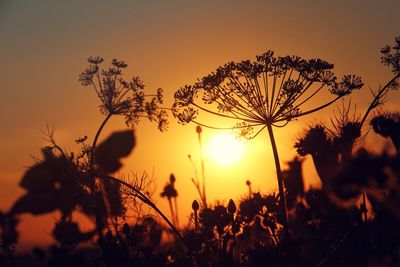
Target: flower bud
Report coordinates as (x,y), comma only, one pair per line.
(231,206)
(195,205)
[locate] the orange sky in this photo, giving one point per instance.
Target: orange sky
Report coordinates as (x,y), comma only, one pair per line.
(44,47)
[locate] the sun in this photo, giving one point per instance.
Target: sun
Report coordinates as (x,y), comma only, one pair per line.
(224,149)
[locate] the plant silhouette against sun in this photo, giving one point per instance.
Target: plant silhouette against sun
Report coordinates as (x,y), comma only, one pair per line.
(268,92)
(121,97)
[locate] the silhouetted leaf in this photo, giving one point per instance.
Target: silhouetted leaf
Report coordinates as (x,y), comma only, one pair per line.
(68,233)
(113,196)
(35,203)
(38,179)
(118,145)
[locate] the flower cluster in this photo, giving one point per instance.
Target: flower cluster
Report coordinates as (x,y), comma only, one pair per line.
(391,56)
(121,97)
(269,91)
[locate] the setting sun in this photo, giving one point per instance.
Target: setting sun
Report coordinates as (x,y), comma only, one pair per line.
(200,133)
(224,149)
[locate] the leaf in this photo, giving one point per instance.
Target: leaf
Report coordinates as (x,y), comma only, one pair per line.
(113,197)
(109,152)
(68,233)
(38,179)
(36,203)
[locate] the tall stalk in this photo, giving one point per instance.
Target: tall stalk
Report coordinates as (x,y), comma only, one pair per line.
(204,197)
(172,211)
(282,197)
(92,156)
(176,212)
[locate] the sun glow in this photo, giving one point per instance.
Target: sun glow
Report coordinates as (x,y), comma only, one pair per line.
(224,149)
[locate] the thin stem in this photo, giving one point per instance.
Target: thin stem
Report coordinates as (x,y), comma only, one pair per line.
(176,212)
(96,138)
(377,97)
(100,129)
(235,248)
(172,211)
(227,128)
(195,221)
(282,198)
(364,203)
(283,117)
(204,198)
(147,201)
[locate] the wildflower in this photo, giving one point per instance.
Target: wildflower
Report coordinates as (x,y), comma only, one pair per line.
(121,97)
(271,91)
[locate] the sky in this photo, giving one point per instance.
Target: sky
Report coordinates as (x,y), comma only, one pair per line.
(44,46)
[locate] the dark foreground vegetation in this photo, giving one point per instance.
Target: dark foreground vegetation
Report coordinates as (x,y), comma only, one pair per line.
(352,220)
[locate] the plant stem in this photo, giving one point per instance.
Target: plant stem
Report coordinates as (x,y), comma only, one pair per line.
(147,201)
(377,97)
(91,160)
(282,197)
(100,129)
(195,221)
(235,250)
(364,203)
(172,211)
(176,213)
(204,198)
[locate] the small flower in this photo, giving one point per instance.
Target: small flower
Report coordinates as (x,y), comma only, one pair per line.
(95,60)
(187,115)
(347,85)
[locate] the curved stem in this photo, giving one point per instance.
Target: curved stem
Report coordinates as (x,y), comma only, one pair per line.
(147,201)
(91,160)
(282,197)
(100,129)
(378,96)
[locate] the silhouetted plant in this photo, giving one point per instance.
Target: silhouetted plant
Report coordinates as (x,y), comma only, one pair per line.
(234,228)
(294,182)
(388,125)
(265,93)
(171,194)
(8,237)
(83,182)
(332,148)
(325,230)
(195,208)
(121,97)
(203,175)
(347,175)
(248,183)
(391,58)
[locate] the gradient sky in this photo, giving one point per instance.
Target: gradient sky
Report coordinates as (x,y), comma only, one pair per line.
(44,46)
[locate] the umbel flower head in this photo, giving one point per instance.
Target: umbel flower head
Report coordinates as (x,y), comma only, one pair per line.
(121,97)
(268,91)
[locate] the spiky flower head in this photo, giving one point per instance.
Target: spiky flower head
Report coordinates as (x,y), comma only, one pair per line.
(268,91)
